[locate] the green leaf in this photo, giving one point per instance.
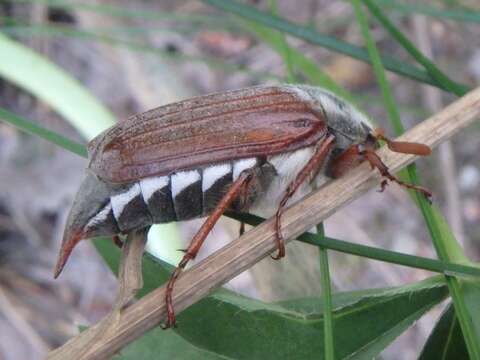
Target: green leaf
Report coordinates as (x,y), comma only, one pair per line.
(172,346)
(241,328)
(314,37)
(245,329)
(159,344)
(446,340)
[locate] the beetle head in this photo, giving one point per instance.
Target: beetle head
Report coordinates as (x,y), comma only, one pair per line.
(355,153)
(90,216)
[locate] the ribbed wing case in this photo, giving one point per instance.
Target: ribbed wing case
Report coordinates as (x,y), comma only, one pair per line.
(215,128)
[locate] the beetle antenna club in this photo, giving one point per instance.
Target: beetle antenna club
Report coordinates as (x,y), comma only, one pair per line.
(256,149)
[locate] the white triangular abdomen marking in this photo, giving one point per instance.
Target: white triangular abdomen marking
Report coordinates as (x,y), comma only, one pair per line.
(183,179)
(101,216)
(148,186)
(213,173)
(119,201)
(242,165)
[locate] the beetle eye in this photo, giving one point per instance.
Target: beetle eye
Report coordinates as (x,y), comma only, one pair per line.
(337,151)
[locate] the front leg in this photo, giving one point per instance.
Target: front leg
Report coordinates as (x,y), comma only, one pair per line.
(312,166)
(236,189)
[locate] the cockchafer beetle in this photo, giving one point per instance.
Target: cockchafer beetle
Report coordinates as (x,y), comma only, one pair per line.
(255,150)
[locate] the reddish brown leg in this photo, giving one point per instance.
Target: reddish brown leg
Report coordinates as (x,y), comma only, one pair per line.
(117,241)
(376,162)
(197,241)
(241,231)
(311,167)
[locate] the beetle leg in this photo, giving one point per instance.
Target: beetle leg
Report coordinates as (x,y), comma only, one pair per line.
(117,241)
(383,185)
(376,162)
(235,189)
(241,230)
(312,166)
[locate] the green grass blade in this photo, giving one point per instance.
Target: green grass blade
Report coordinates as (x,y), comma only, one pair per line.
(329,338)
(296,61)
(446,246)
(378,69)
(314,37)
(393,257)
(55,87)
(443,267)
(424,9)
(34,129)
(285,51)
(431,68)
(441,243)
(313,73)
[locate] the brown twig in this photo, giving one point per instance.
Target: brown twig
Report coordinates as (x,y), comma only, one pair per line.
(257,243)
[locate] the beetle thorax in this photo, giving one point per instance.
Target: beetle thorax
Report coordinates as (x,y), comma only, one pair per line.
(344,121)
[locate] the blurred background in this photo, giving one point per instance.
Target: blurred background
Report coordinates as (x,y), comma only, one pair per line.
(131,56)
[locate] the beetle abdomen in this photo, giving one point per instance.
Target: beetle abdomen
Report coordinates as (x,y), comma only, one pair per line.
(182,195)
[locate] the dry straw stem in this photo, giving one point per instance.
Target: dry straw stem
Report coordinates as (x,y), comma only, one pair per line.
(254,245)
